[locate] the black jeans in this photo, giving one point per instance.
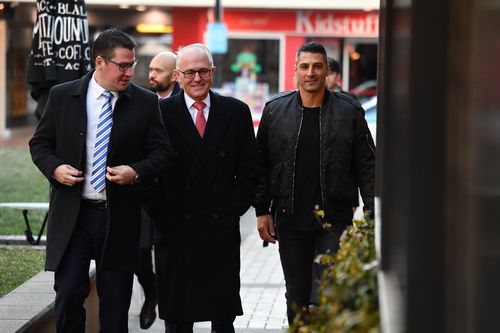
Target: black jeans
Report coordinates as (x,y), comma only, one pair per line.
(298,249)
(72,284)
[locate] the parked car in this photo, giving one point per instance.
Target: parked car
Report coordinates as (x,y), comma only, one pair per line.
(365,90)
(370,107)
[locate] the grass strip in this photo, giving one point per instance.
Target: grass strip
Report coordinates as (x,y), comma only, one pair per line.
(17,265)
(20,181)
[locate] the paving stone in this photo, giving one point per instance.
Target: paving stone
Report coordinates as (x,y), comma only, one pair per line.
(262,289)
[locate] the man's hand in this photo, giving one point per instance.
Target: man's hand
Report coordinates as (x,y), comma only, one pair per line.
(266,228)
(121,175)
(67,175)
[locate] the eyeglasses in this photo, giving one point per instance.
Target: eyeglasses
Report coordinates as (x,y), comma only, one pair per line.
(123,67)
(190,73)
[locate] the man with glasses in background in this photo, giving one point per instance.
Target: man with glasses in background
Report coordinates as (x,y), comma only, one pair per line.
(210,185)
(99,139)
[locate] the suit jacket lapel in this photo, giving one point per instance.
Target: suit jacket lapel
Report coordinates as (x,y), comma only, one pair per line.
(181,119)
(218,119)
(79,109)
(80,91)
(121,104)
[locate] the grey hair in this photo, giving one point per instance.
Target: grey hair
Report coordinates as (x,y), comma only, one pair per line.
(201,47)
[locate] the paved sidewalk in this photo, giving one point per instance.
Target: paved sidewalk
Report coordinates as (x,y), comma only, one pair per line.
(18,137)
(262,289)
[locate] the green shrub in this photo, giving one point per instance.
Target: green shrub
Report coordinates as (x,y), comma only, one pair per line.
(348,301)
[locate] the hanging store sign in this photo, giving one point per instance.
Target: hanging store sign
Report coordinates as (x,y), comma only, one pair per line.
(317,23)
(217,37)
(60,48)
(337,24)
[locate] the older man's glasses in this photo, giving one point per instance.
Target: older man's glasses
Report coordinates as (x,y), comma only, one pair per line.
(190,73)
(124,66)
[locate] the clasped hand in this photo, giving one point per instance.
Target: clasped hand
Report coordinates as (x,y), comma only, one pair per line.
(69,176)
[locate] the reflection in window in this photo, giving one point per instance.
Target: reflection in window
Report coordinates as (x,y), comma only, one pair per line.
(249,71)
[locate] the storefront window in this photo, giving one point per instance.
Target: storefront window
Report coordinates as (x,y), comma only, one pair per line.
(20,106)
(147,47)
(362,58)
(333,46)
(249,71)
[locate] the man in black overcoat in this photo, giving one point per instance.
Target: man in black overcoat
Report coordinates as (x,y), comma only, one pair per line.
(211,183)
(99,139)
(162,81)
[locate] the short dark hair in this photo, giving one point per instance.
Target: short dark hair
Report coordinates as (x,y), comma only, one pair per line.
(333,65)
(108,40)
(311,47)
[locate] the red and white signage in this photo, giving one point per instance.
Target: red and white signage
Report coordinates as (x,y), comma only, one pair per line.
(337,24)
(301,23)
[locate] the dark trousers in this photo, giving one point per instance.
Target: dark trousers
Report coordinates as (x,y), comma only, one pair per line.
(219,326)
(72,284)
(146,276)
(298,249)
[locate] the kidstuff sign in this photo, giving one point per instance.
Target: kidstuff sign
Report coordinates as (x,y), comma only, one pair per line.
(319,23)
(338,24)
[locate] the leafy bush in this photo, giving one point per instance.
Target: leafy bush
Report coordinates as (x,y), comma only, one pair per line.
(348,301)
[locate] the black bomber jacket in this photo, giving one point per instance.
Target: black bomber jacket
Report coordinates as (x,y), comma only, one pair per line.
(347,153)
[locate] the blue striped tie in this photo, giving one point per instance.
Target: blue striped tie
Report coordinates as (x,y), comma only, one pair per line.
(98,179)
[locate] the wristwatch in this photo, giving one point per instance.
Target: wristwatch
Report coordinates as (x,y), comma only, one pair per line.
(136,179)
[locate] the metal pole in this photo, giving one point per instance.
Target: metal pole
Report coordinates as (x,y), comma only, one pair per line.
(218,11)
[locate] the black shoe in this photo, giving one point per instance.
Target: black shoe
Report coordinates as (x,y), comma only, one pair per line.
(148,314)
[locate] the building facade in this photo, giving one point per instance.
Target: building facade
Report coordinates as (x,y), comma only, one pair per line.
(261,38)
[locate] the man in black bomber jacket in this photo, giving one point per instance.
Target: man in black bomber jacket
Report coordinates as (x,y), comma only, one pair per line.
(314,146)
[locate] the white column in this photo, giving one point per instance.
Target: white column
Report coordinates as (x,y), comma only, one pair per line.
(346,64)
(3,79)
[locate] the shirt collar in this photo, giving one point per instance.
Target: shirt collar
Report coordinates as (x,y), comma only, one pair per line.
(190,101)
(96,90)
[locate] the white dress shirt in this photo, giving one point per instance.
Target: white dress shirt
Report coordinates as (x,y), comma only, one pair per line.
(95,101)
(193,111)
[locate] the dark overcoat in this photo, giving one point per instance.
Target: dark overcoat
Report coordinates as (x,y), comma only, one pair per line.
(211,183)
(138,139)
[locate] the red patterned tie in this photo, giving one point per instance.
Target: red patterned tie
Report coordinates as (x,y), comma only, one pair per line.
(201,123)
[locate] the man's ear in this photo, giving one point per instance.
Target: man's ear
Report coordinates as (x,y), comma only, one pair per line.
(99,62)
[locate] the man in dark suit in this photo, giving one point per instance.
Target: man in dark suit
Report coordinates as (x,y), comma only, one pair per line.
(211,184)
(99,138)
(162,80)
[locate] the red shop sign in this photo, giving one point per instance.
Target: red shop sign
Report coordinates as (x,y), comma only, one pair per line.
(328,23)
(338,24)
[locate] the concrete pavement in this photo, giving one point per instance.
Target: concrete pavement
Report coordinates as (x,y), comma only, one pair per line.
(262,289)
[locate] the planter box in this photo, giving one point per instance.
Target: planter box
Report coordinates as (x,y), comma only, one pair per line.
(30,307)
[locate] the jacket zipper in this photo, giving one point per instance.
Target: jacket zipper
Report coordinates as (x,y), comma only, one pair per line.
(369,145)
(321,159)
(295,157)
